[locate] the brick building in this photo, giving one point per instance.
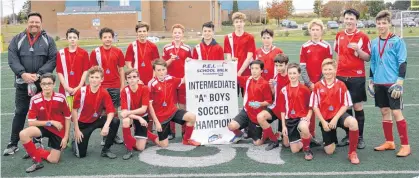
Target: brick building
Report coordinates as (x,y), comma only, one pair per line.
(122,15)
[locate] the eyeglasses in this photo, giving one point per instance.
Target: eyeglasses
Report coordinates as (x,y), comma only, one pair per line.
(47,84)
(133,77)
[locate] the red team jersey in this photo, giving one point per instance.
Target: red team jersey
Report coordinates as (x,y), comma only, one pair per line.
(312,55)
(136,99)
(162,95)
(255,90)
(349,63)
(241,46)
(268,58)
(213,51)
(54,110)
(146,53)
(177,67)
(280,82)
(76,63)
(111,60)
(94,104)
(295,101)
(329,99)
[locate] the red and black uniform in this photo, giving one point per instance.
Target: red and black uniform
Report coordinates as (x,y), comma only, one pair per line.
(213,51)
(90,106)
(162,96)
(40,109)
(255,91)
(268,57)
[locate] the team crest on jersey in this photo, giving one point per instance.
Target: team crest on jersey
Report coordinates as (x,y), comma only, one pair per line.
(159,88)
(42,108)
(308,51)
(62,53)
(342,38)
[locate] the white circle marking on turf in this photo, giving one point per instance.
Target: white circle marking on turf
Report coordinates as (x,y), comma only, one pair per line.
(226,154)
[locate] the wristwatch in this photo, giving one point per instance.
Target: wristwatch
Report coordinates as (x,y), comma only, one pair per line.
(48,124)
(38,76)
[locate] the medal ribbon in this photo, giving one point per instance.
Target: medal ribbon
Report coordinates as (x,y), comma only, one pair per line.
(384,47)
(31,42)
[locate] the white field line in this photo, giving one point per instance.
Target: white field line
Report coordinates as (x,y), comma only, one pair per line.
(252,174)
(366,106)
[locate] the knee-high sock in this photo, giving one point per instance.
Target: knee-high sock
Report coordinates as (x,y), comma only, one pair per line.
(129,140)
(312,126)
(388,130)
(32,151)
(268,133)
(151,136)
(188,132)
(306,143)
(359,116)
(43,153)
(402,128)
(353,140)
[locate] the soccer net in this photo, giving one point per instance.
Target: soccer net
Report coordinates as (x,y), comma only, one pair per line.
(405,23)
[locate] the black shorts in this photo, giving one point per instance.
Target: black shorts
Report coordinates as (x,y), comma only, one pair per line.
(274,117)
(140,132)
(54,141)
(177,117)
(383,98)
(356,87)
(331,137)
(293,130)
(115,96)
(254,130)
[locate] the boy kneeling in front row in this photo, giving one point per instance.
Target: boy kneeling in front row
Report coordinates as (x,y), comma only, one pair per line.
(48,116)
(330,99)
(296,113)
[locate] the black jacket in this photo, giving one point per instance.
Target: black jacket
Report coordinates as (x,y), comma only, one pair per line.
(42,60)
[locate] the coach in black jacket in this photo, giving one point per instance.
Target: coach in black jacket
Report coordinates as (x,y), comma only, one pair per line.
(31,54)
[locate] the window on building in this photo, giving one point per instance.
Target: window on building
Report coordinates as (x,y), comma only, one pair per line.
(124,2)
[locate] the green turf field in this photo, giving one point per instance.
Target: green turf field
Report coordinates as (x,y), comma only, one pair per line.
(241,160)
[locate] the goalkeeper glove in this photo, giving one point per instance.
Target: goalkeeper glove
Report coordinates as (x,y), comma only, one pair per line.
(370,88)
(396,89)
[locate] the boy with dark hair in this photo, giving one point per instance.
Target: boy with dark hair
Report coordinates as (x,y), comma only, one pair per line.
(353,49)
(273,111)
(208,49)
(112,61)
(387,74)
(257,97)
(267,53)
(72,66)
(49,117)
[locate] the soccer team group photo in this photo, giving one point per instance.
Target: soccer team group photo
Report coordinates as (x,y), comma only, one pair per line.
(140,97)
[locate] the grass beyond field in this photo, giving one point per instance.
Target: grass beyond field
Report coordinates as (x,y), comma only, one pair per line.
(241,160)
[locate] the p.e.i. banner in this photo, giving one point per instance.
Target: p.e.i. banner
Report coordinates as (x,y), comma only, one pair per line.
(211,93)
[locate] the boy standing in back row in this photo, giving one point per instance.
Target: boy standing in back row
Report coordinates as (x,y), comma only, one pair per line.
(240,46)
(111,60)
(388,71)
(353,50)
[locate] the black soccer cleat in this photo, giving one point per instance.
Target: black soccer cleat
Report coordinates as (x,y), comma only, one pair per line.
(272,145)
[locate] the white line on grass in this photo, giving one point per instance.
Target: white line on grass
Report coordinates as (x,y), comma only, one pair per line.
(252,174)
(367,106)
